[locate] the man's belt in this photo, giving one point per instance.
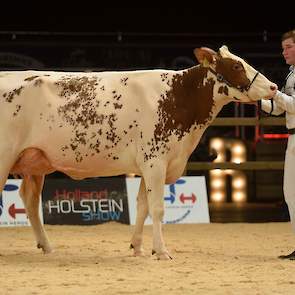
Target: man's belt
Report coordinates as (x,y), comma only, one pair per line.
(291,131)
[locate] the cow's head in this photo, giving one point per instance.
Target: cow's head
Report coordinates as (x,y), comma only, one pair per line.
(239,81)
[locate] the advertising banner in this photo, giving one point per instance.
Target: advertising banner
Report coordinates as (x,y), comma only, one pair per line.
(85,202)
(12,210)
(185,201)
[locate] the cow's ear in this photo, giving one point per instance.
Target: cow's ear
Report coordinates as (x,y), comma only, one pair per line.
(205,56)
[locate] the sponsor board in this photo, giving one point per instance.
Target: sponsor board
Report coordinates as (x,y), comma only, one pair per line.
(85,202)
(12,211)
(185,201)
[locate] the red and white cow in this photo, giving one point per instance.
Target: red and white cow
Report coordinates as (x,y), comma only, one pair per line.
(111,123)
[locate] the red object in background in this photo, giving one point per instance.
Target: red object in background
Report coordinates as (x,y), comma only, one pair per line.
(184,198)
(13,211)
(274,136)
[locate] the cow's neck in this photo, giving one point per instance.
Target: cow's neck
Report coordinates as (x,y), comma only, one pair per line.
(209,99)
(189,102)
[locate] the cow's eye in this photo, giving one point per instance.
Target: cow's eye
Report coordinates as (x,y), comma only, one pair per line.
(237,67)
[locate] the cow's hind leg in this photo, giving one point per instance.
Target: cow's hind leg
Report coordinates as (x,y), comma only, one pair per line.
(154,177)
(30,191)
(142,212)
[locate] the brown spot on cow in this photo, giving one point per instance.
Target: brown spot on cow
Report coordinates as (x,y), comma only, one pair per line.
(64,148)
(117,105)
(18,107)
(73,146)
(80,138)
(31,78)
(164,77)
(81,110)
(10,95)
(223,90)
(38,82)
(189,102)
(124,81)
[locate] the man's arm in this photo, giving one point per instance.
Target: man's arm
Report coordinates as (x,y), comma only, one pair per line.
(285,102)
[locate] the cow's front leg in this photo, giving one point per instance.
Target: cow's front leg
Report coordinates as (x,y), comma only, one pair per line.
(30,191)
(154,177)
(142,212)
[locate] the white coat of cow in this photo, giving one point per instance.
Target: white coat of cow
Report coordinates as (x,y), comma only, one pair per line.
(111,123)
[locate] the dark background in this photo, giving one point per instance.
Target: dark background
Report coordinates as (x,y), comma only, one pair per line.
(147,16)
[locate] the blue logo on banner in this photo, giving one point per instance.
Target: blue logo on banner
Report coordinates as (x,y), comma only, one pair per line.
(8,188)
(172,195)
(180,218)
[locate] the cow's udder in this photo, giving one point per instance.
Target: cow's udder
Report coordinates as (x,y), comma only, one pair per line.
(32,161)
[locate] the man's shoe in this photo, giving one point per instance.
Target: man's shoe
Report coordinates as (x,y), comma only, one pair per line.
(290,256)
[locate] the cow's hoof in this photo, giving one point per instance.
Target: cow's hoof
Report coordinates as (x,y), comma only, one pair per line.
(137,251)
(290,256)
(162,256)
(45,249)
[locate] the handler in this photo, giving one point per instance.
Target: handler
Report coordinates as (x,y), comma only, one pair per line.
(284,101)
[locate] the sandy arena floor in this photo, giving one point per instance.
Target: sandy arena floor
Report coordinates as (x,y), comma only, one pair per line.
(236,258)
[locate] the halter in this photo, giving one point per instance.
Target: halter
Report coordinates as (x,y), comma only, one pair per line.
(221,79)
